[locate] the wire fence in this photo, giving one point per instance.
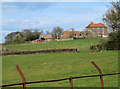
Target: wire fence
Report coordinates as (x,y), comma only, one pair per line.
(70,78)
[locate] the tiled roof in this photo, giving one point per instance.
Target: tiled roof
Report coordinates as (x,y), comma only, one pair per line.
(46,36)
(69,32)
(64,36)
(95,25)
(66,33)
(84,32)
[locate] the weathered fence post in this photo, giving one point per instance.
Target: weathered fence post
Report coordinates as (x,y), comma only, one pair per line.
(71,82)
(100,72)
(22,76)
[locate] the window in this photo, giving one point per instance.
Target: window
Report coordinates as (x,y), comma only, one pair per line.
(93,31)
(102,31)
(103,28)
(98,31)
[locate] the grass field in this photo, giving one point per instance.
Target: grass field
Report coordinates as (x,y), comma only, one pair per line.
(82,44)
(48,66)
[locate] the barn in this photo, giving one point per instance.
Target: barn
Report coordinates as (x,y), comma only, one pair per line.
(46,37)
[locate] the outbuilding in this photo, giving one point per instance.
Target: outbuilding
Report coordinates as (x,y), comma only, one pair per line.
(46,37)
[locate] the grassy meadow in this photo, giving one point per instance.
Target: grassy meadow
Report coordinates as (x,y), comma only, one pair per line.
(47,66)
(82,44)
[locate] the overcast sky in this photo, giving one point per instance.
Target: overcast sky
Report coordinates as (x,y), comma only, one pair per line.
(17,16)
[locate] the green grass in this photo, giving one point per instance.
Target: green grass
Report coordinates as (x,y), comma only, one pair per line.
(82,44)
(47,66)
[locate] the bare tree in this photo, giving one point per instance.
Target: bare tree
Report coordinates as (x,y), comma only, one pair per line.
(57,32)
(47,32)
(112,16)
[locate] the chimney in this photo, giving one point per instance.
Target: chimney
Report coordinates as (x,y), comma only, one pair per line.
(91,23)
(72,29)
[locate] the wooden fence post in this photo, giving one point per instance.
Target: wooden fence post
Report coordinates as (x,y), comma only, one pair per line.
(71,82)
(22,76)
(100,72)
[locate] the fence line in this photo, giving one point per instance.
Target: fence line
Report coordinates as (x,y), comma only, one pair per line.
(70,78)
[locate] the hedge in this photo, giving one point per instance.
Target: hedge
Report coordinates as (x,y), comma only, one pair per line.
(67,50)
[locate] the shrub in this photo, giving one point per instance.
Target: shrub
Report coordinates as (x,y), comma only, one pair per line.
(110,43)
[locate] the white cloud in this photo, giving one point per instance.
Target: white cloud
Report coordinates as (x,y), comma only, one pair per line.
(38,24)
(26,20)
(12,20)
(8,21)
(9,6)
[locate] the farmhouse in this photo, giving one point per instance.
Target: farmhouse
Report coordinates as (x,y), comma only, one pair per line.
(46,37)
(69,34)
(97,29)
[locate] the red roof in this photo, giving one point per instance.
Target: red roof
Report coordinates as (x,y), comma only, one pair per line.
(46,36)
(69,32)
(95,25)
(84,32)
(66,33)
(64,36)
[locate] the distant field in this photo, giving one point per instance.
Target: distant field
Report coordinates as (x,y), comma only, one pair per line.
(48,66)
(82,44)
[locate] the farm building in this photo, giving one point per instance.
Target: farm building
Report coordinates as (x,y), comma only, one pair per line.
(46,37)
(35,41)
(97,29)
(69,34)
(82,34)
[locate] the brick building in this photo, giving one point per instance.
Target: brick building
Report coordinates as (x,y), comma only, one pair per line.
(73,33)
(46,37)
(97,29)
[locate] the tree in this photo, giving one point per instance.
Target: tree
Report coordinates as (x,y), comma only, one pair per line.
(25,35)
(72,34)
(37,33)
(57,32)
(112,16)
(88,32)
(47,32)
(28,34)
(32,34)
(11,36)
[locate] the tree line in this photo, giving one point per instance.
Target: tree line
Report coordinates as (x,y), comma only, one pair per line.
(31,34)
